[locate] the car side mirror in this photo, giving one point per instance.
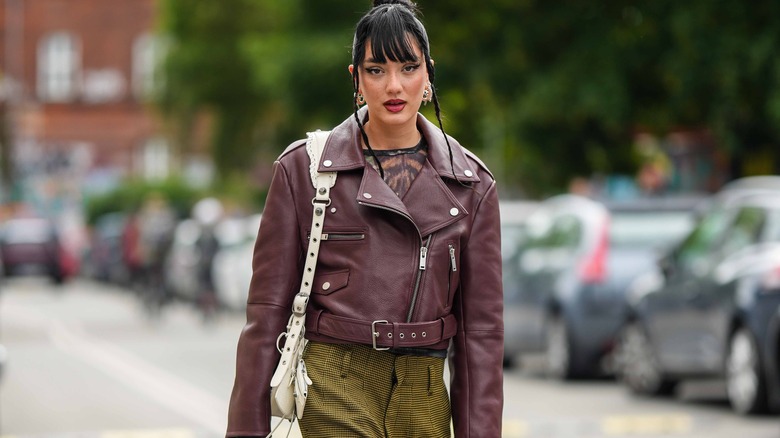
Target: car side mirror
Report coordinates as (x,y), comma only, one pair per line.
(666,265)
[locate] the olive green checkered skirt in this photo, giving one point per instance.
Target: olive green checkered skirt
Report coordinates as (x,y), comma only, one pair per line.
(363,393)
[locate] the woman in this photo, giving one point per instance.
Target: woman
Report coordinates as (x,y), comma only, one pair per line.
(413,254)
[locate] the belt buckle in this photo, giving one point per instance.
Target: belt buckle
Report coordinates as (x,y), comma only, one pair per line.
(375,334)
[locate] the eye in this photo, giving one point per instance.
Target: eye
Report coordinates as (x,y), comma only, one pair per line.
(373,70)
(411,67)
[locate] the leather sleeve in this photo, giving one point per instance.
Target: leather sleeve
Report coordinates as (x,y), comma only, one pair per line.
(478,348)
(277,266)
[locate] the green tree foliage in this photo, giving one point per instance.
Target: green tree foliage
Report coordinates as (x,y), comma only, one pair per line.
(542,90)
(264,70)
(129,197)
(556,89)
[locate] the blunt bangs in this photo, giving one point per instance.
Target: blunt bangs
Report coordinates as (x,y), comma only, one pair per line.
(391,34)
(391,42)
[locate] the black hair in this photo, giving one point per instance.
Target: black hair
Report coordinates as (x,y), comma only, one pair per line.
(388,25)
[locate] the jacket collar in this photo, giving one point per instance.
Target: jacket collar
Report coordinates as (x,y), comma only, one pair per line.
(343,150)
(428,203)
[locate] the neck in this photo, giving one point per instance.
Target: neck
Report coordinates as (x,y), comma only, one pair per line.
(392,137)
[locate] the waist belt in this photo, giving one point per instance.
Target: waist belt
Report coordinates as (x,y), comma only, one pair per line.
(381,334)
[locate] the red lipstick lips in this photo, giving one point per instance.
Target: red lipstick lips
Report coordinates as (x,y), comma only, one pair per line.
(395,105)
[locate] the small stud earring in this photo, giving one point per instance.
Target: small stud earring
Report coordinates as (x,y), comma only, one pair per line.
(426,97)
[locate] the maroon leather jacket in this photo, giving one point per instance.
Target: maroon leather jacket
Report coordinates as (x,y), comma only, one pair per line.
(430,266)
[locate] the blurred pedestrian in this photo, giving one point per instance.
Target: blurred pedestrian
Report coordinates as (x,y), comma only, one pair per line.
(207,213)
(156,222)
(409,265)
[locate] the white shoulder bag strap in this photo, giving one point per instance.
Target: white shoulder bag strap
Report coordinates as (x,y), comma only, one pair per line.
(294,336)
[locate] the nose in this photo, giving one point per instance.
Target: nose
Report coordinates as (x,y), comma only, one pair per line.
(394,83)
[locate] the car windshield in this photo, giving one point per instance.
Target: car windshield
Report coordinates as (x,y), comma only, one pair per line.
(26,231)
(561,232)
(648,230)
(512,237)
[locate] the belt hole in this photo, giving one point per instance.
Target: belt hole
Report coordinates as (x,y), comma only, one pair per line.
(401,335)
(424,334)
(414,335)
(389,335)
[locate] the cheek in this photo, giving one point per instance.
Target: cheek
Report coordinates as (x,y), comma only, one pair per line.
(418,83)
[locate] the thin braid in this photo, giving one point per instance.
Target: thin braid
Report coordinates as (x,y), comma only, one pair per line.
(441,126)
(360,124)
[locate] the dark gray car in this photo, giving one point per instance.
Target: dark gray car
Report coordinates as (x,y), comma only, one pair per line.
(706,312)
(773,361)
(564,284)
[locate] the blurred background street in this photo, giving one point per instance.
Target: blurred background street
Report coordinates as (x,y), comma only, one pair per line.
(635,145)
(86,361)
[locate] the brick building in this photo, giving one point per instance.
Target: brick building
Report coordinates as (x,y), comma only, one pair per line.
(76,78)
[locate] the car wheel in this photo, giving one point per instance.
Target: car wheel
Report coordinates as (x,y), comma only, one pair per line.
(744,380)
(557,354)
(637,365)
(509,361)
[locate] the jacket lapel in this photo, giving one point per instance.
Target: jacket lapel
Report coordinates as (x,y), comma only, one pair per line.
(429,203)
(375,192)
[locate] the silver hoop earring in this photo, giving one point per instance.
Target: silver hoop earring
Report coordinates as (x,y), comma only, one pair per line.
(426,97)
(360,99)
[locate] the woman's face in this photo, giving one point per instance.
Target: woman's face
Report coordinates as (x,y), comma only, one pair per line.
(392,90)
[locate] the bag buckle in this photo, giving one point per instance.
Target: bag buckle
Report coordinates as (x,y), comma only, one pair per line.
(375,334)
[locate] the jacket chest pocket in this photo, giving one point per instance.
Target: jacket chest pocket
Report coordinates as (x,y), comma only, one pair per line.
(453,270)
(343,237)
(352,235)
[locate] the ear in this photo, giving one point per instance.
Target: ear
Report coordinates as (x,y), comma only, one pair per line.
(351,68)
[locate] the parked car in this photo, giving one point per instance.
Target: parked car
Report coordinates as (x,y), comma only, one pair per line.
(182,262)
(31,246)
(513,236)
(105,259)
(232,265)
(564,285)
(706,310)
(773,362)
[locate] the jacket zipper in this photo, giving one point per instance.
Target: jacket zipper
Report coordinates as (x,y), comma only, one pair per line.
(452,258)
(343,236)
(423,262)
(339,236)
(423,255)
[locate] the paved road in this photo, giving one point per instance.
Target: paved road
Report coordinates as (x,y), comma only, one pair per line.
(85,362)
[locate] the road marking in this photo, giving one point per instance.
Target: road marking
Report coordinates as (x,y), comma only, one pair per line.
(646,424)
(151,433)
(167,389)
(514,429)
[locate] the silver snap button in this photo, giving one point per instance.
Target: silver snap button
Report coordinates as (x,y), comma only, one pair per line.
(454,211)
(326,285)
(367,195)
(333,209)
(468,173)
(327,163)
